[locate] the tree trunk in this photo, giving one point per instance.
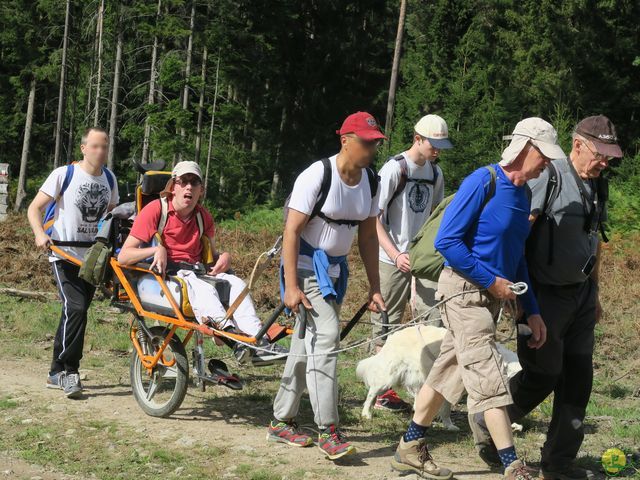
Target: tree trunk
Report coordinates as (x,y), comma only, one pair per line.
(113,119)
(213,118)
(187,77)
(99,27)
(22,178)
(203,73)
(275,182)
(63,79)
(394,69)
(152,86)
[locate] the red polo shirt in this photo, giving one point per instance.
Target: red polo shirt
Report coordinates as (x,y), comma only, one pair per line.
(180,238)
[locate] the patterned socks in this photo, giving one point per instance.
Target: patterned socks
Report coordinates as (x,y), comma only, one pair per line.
(414,432)
(507,456)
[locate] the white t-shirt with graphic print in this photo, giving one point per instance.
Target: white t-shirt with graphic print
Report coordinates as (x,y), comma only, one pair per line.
(83,204)
(343,202)
(404,217)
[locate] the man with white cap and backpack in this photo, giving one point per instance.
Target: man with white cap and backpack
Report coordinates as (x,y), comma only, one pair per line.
(411,186)
(482,239)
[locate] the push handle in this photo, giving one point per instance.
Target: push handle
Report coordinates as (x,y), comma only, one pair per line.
(302,314)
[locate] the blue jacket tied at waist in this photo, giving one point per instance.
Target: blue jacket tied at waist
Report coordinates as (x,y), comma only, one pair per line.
(321,263)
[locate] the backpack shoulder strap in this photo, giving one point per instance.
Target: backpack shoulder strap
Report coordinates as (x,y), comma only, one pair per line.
(404,176)
(164,213)
(492,185)
(67,179)
(324,188)
(110,177)
(553,189)
(373,181)
(200,221)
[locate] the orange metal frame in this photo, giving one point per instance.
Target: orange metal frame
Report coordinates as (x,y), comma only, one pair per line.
(176,322)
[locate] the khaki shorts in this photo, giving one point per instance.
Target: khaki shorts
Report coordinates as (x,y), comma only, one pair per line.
(468,356)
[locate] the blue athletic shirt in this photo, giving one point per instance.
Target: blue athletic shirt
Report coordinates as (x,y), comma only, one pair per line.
(484,243)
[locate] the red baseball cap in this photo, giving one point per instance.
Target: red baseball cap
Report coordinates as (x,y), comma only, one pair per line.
(363,125)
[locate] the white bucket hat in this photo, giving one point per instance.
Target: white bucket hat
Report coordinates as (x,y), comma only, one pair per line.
(537,131)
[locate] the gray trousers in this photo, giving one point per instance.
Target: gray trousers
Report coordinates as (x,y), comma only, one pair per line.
(395,287)
(317,374)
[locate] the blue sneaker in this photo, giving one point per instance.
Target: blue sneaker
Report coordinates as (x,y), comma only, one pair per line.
(56,380)
(72,385)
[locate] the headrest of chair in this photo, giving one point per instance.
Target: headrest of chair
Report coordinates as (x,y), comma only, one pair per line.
(154,182)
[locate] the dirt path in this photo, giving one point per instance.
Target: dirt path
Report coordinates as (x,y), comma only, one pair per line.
(201,421)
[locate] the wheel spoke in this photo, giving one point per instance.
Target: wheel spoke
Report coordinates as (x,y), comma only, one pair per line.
(153,387)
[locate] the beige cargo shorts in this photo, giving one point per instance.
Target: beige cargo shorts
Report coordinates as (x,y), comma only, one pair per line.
(468,356)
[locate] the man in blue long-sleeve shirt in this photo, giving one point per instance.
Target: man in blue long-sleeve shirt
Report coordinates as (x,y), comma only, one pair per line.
(482,238)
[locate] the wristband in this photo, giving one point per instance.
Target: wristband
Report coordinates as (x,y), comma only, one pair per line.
(395,260)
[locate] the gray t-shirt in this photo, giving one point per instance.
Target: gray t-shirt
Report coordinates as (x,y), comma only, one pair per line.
(404,217)
(572,245)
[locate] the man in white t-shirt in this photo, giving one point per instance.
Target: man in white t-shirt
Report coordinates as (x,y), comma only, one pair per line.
(323,218)
(411,186)
(83,193)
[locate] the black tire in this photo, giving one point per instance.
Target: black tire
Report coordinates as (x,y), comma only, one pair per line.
(170,383)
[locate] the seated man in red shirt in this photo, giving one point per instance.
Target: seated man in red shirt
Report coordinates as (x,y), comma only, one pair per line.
(181,242)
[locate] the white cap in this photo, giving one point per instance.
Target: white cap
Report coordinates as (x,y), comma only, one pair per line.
(182,168)
(434,129)
(537,131)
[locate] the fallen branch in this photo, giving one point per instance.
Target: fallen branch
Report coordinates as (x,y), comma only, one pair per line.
(40,296)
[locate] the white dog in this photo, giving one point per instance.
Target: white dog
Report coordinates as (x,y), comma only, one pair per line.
(405,361)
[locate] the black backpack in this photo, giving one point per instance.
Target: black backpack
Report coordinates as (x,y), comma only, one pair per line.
(324,192)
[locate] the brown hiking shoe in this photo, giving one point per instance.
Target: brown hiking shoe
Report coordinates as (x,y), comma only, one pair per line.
(415,457)
(519,471)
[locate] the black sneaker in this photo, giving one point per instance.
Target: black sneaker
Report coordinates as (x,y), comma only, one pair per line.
(72,385)
(268,354)
(56,380)
(485,447)
(569,472)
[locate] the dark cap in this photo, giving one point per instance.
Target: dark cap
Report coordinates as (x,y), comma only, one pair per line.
(602,133)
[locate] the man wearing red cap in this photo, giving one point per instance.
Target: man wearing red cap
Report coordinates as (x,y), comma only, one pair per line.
(329,200)
(568,209)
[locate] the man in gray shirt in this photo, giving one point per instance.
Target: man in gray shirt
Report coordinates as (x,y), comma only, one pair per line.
(568,208)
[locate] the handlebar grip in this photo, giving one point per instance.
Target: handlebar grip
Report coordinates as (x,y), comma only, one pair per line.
(303,321)
(385,319)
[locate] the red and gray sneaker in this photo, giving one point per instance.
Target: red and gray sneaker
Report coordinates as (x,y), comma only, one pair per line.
(333,444)
(390,400)
(289,433)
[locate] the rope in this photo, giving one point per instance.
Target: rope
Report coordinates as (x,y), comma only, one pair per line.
(518,288)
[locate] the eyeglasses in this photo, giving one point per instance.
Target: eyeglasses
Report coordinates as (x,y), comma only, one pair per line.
(597,155)
(193,181)
(366,143)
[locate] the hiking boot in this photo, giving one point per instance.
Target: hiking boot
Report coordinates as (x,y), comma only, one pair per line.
(72,385)
(56,380)
(414,457)
(485,447)
(289,433)
(568,472)
(333,444)
(390,400)
(519,471)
